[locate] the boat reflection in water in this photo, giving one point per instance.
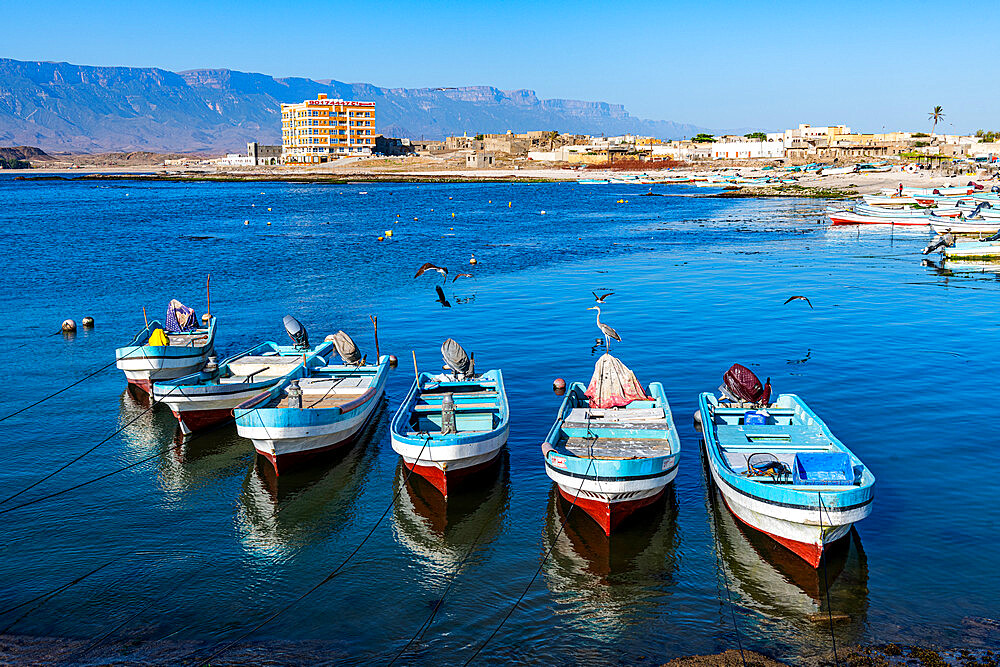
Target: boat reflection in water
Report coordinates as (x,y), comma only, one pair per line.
(181,462)
(949,268)
(440,530)
(282,515)
(785,592)
(608,583)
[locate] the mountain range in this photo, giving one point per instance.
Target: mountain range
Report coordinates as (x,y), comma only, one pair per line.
(85,109)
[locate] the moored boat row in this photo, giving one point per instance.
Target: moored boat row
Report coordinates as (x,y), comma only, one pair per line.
(612,450)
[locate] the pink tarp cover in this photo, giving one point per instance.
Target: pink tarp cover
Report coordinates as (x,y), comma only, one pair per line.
(613,385)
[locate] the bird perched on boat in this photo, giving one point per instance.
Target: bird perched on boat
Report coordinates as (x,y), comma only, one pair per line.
(605,329)
(431,267)
(461,275)
(795,298)
(601,298)
(441,297)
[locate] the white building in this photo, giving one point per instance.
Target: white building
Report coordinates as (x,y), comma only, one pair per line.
(747,149)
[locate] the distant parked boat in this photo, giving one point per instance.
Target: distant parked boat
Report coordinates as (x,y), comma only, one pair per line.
(966,226)
(324,410)
(208,397)
(161,352)
(452,425)
(888,200)
(851,218)
(779,468)
(613,449)
(973,250)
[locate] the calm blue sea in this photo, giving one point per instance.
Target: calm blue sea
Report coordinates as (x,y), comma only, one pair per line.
(199,544)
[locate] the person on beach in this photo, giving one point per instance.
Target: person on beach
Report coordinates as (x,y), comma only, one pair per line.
(899,191)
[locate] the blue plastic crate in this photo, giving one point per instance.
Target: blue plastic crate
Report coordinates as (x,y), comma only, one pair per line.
(822,469)
(754,418)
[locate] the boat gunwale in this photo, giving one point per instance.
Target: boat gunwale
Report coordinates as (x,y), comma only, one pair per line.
(835,498)
(401,418)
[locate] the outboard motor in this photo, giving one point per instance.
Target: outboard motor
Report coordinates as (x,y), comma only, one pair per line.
(347,349)
(296,332)
(939,241)
(457,360)
(740,385)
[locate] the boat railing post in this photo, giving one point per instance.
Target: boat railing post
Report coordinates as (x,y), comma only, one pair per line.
(294,394)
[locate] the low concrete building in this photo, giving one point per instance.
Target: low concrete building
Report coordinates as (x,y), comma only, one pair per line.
(263,155)
(480,160)
(392,146)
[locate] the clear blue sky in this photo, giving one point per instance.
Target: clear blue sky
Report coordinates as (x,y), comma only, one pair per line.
(773,65)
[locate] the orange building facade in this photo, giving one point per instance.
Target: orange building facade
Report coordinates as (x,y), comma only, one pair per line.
(320,130)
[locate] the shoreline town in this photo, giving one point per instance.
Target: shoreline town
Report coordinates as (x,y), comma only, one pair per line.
(613,448)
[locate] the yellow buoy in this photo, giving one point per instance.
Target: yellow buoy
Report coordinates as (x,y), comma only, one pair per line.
(388,233)
(380,238)
(543,212)
(253,205)
(268,223)
(246,222)
(268,208)
(414,218)
(449,197)
(509,203)
(473,260)
(453,215)
(491,201)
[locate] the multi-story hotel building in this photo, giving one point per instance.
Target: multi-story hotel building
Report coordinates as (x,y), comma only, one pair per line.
(320,130)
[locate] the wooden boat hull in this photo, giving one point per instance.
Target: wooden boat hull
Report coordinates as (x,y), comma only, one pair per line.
(849,218)
(612,499)
(973,250)
(288,436)
(200,400)
(610,489)
(803,519)
(144,365)
(444,460)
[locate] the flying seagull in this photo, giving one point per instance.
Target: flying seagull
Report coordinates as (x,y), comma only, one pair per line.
(431,267)
(794,298)
(600,299)
(605,329)
(441,297)
(461,275)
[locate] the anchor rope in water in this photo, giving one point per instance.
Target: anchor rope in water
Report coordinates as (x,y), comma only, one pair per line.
(725,577)
(116,471)
(153,404)
(826,582)
(548,552)
(56,393)
(323,581)
(451,580)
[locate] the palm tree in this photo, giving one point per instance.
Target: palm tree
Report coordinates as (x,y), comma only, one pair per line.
(936,114)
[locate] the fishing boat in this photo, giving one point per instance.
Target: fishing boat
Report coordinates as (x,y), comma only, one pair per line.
(779,468)
(888,200)
(321,411)
(613,448)
(452,425)
(845,217)
(972,250)
(208,397)
(965,226)
(835,171)
(164,352)
(886,212)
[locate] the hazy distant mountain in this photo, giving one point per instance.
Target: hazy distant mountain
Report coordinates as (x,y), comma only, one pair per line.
(64,107)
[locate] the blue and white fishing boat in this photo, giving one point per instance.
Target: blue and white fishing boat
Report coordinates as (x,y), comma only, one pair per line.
(164,352)
(613,449)
(779,468)
(208,397)
(325,409)
(451,426)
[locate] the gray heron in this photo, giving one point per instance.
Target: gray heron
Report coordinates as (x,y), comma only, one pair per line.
(605,329)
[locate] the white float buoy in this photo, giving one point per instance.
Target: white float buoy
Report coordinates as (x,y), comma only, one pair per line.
(69,326)
(87,322)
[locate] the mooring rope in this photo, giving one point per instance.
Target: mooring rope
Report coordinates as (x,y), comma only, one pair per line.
(562,526)
(725,577)
(826,581)
(323,581)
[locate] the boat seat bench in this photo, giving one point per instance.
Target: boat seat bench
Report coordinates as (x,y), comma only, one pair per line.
(617,448)
(459,407)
